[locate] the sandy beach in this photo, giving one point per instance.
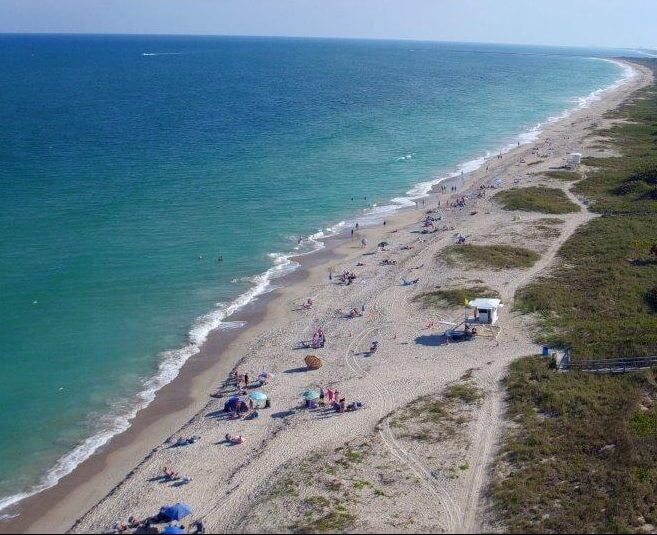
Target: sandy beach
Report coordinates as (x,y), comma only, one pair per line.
(238,488)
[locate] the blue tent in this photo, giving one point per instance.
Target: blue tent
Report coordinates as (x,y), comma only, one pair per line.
(236,404)
(177,511)
(174,530)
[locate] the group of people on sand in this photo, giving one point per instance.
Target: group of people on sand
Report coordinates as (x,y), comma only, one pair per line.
(334,400)
(319,339)
(169,475)
(347,277)
(151,525)
(243,380)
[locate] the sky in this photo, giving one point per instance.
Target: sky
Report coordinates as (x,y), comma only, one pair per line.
(613,23)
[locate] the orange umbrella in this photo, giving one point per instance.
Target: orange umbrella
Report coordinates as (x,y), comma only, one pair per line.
(313,362)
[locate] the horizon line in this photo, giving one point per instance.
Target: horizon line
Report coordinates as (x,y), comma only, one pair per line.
(316,37)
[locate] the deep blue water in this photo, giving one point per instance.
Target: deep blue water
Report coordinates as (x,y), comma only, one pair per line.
(125,159)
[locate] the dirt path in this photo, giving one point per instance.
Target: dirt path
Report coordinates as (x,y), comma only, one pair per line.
(490,421)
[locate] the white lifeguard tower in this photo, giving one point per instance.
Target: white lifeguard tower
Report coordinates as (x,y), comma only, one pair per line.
(573,160)
(485,310)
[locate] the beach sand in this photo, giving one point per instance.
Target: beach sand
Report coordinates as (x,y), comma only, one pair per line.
(230,481)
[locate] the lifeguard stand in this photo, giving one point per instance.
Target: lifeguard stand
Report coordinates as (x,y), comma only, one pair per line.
(485,310)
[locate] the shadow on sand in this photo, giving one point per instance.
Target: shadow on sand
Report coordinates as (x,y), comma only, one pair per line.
(432,340)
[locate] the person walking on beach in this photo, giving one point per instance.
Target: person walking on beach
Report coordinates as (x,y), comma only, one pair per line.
(352,234)
(246,380)
(362,308)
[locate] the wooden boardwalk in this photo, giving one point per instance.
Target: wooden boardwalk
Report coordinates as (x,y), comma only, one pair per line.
(613,365)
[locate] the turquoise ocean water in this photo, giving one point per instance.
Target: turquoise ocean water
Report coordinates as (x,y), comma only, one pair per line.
(125,159)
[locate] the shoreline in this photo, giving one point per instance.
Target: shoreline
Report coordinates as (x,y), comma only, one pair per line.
(177,402)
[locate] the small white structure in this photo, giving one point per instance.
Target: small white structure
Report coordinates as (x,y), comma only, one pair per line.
(485,310)
(574,159)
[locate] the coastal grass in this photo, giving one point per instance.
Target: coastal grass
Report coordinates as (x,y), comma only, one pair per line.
(495,257)
(454,297)
(597,301)
(581,457)
(566,176)
(547,227)
(536,199)
(435,419)
(581,454)
(465,392)
(600,300)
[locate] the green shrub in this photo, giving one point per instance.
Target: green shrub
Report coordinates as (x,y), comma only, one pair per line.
(536,199)
(490,256)
(454,297)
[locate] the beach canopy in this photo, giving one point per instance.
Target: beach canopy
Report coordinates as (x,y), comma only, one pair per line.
(174,530)
(236,404)
(177,511)
(313,362)
(258,396)
(311,394)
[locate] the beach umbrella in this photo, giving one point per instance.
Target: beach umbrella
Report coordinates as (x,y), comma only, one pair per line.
(258,396)
(313,362)
(311,394)
(177,511)
(174,530)
(383,244)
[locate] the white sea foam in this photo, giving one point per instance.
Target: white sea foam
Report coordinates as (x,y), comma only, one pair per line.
(405,157)
(378,213)
(172,361)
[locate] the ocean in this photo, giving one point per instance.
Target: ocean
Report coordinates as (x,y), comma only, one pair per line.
(130,165)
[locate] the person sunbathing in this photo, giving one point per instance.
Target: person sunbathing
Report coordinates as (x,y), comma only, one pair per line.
(234,439)
(170,475)
(187,441)
(354,406)
(120,527)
